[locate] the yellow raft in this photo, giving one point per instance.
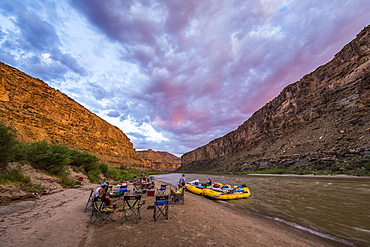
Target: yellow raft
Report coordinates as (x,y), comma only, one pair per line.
(194,189)
(228,195)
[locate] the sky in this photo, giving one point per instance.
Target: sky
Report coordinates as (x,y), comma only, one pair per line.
(174,75)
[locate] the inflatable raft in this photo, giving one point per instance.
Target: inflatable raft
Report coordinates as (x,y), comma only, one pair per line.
(219,191)
(194,189)
(231,195)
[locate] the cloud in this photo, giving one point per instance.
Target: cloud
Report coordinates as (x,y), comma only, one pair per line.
(33,39)
(174,75)
(113,114)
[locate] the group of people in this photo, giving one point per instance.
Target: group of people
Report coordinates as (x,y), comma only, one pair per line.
(102,191)
(182,182)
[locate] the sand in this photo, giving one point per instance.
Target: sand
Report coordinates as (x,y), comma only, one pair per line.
(59,220)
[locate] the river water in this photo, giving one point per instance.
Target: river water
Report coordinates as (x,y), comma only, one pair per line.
(332,207)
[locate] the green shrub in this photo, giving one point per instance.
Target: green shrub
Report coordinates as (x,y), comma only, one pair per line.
(34,188)
(271,171)
(87,161)
(127,174)
(367,166)
(14,175)
(50,157)
(8,144)
(82,158)
(362,172)
(94,176)
(68,182)
(91,167)
(103,167)
(77,169)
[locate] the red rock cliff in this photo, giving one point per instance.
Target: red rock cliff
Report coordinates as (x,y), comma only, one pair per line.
(160,161)
(39,112)
(324,117)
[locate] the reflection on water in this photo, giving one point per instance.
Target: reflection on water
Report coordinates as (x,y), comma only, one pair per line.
(337,207)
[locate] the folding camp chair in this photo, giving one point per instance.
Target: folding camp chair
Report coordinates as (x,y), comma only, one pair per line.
(162,190)
(121,192)
(151,185)
(131,208)
(100,212)
(138,188)
(89,201)
(160,207)
(177,196)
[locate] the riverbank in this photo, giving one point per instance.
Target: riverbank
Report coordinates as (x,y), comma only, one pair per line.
(310,176)
(59,220)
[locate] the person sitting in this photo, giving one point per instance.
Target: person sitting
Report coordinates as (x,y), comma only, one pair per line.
(209,182)
(106,196)
(99,192)
(102,193)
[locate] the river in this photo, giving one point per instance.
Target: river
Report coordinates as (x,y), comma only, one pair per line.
(332,207)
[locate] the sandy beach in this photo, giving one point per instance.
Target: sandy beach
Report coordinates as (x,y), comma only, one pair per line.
(59,219)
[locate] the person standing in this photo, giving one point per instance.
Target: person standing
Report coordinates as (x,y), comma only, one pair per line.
(182,181)
(143,177)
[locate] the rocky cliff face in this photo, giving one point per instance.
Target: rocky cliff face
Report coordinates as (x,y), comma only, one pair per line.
(160,161)
(322,119)
(39,112)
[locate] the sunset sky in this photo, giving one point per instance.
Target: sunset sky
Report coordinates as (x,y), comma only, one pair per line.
(175,74)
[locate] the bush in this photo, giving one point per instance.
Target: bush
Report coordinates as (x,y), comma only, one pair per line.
(67,182)
(367,166)
(103,167)
(270,171)
(87,161)
(362,172)
(94,176)
(8,144)
(82,158)
(127,174)
(14,175)
(34,188)
(52,158)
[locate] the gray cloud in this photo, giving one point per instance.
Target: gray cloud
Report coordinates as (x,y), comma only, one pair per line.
(192,70)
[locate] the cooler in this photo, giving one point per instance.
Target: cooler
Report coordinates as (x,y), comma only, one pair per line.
(150,193)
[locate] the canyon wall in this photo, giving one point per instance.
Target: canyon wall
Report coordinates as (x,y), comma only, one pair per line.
(160,161)
(323,118)
(38,112)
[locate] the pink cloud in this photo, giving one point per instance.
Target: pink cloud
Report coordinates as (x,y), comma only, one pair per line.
(197,69)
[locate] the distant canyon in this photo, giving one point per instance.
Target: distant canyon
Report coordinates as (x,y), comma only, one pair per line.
(321,121)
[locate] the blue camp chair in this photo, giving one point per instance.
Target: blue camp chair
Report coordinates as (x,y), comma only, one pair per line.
(160,207)
(162,190)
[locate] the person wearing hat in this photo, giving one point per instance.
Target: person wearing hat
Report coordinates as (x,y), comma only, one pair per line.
(102,193)
(99,192)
